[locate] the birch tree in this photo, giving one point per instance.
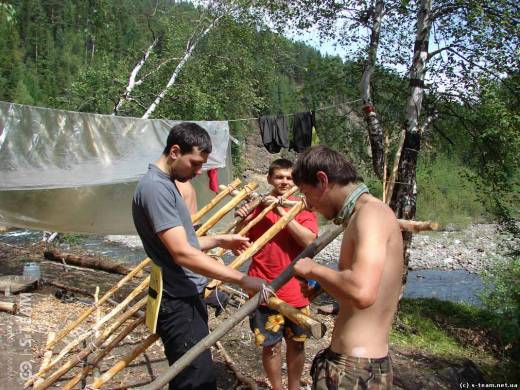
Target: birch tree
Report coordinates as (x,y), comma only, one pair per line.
(168,66)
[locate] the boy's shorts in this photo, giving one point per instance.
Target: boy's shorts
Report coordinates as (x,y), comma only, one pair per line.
(269,326)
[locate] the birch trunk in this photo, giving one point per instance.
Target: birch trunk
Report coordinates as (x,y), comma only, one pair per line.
(375,131)
(405,194)
(132,83)
(191,45)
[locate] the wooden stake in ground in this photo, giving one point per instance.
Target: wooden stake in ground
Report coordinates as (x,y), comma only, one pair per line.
(124,362)
(310,251)
(107,295)
(83,336)
(244,193)
(96,344)
(258,244)
(47,356)
(221,195)
(102,353)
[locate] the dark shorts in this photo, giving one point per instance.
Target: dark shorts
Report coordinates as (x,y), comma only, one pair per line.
(270,327)
(331,370)
(182,323)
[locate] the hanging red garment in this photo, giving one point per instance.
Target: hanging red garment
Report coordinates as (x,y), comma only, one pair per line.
(213,179)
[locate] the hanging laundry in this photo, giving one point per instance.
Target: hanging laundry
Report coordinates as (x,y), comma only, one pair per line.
(274,132)
(303,124)
(213,179)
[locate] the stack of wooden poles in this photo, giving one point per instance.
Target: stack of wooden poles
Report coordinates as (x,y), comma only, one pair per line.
(93,345)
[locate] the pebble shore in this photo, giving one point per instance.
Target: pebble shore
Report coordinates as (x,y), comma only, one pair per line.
(473,249)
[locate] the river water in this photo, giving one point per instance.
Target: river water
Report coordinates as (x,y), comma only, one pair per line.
(451,285)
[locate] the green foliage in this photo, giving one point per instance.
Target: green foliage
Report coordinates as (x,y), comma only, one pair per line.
(501,296)
(456,331)
(445,194)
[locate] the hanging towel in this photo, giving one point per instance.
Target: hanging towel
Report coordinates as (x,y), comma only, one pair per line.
(213,179)
(303,124)
(274,132)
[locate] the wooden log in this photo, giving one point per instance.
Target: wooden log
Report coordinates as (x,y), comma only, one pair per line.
(107,295)
(97,343)
(9,307)
(310,251)
(122,363)
(221,195)
(102,353)
(315,328)
(248,188)
(69,288)
(417,226)
(259,243)
(83,336)
(241,377)
(92,262)
(47,356)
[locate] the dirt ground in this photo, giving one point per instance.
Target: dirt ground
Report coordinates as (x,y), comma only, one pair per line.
(23,337)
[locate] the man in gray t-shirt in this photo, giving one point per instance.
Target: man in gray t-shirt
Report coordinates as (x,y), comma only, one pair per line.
(164,225)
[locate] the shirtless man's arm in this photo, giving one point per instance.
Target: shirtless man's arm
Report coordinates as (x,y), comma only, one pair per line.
(358,278)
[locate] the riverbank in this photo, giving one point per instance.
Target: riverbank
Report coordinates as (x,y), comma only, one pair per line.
(473,249)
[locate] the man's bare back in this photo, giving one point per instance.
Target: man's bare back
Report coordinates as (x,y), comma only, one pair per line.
(372,241)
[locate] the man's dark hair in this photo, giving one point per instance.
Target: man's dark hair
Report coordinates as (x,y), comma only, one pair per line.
(322,158)
(188,135)
(281,163)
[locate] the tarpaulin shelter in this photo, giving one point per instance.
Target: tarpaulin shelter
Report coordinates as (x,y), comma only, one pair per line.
(76,172)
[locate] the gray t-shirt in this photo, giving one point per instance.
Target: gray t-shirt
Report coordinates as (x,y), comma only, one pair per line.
(157,205)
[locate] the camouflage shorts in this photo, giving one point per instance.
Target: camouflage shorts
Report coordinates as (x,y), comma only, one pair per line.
(334,371)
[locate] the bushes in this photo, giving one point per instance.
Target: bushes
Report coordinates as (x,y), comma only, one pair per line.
(501,296)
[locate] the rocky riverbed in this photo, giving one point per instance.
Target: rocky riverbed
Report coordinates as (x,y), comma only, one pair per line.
(473,249)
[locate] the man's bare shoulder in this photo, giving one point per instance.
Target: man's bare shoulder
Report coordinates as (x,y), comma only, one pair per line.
(376,214)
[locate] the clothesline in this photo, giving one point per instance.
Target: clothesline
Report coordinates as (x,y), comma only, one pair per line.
(292,114)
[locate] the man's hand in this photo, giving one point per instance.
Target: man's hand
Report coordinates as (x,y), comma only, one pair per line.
(251,285)
(234,242)
(303,268)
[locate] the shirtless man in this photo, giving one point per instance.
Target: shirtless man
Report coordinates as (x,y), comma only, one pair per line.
(367,283)
(189,195)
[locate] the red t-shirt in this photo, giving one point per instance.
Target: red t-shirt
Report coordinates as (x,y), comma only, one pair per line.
(277,254)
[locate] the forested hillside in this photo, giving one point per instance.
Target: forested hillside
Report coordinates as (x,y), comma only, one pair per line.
(80,56)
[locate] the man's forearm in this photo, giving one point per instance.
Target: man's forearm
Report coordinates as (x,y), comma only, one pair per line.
(209,242)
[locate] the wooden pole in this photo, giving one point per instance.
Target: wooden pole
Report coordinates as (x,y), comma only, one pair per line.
(102,353)
(393,175)
(9,307)
(83,336)
(47,356)
(97,343)
(91,309)
(315,328)
(417,226)
(310,251)
(259,217)
(241,377)
(221,195)
(248,188)
(258,244)
(122,363)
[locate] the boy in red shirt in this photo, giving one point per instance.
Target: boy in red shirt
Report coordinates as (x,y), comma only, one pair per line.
(268,325)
